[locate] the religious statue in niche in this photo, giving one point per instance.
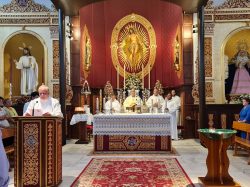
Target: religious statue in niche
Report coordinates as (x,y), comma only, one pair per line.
(29,71)
(87,59)
(177,54)
(238,81)
(86,52)
(133,46)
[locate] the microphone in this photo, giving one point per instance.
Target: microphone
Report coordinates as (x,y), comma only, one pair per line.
(33,110)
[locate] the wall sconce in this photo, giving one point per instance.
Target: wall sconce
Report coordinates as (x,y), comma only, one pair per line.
(195,28)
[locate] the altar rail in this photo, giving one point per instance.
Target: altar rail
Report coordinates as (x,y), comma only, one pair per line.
(220,116)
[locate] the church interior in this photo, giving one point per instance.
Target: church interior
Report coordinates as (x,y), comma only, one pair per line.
(152,92)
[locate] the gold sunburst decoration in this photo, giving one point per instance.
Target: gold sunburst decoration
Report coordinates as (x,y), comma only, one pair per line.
(86,55)
(133,45)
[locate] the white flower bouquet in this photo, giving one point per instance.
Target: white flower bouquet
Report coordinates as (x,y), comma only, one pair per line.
(133,81)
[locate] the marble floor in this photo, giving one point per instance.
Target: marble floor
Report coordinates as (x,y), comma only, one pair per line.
(190,154)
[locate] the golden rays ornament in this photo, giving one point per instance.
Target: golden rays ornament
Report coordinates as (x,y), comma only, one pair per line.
(133,45)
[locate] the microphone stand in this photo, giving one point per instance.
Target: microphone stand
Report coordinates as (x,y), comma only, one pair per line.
(33,110)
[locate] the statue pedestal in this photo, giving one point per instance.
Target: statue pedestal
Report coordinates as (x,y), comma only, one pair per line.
(217,142)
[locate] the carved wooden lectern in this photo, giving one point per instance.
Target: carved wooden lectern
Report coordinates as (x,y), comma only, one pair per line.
(38,151)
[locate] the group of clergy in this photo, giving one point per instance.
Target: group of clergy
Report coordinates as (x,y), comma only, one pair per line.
(156,102)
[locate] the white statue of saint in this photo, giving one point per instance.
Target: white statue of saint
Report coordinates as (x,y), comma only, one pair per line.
(29,72)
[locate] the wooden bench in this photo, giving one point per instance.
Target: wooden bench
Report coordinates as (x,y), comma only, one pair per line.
(245,143)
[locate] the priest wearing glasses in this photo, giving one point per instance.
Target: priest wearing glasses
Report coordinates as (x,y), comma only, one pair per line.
(44,105)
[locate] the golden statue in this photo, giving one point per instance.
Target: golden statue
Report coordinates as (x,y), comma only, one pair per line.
(86,55)
(133,49)
(88,49)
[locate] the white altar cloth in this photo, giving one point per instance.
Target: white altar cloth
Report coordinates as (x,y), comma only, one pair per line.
(81,117)
(133,124)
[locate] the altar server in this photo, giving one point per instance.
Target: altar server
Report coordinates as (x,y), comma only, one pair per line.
(171,107)
(155,100)
(113,104)
(177,101)
(44,105)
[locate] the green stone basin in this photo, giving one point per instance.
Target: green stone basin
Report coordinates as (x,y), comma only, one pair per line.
(217,133)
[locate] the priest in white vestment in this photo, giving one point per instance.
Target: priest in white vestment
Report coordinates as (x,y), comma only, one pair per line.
(4,165)
(171,107)
(132,100)
(155,101)
(44,105)
(29,72)
(177,101)
(113,104)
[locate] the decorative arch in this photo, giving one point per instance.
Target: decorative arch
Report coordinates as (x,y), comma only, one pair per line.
(228,50)
(8,68)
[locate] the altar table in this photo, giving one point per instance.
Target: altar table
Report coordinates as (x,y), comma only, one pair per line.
(132,132)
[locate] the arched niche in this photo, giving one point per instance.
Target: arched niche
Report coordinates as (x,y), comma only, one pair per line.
(232,44)
(11,52)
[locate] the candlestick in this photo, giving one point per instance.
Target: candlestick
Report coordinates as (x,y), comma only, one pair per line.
(152,106)
(124,74)
(118,81)
(104,104)
(149,78)
(10,90)
(100,96)
(142,76)
(97,105)
(110,105)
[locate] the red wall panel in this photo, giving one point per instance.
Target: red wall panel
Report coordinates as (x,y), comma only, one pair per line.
(101,18)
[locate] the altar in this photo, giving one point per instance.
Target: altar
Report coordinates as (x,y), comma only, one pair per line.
(132,132)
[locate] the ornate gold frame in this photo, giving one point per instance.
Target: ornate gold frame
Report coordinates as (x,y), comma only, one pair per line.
(149,62)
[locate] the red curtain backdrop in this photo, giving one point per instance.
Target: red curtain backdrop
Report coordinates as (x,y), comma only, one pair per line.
(100,19)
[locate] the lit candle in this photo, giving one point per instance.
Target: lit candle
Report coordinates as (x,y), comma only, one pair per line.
(118,81)
(149,77)
(100,96)
(124,74)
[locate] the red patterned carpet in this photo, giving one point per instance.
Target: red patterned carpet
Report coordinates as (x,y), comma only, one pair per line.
(132,172)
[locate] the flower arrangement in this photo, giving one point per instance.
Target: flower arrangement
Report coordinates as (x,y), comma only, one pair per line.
(244,96)
(133,81)
(237,99)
